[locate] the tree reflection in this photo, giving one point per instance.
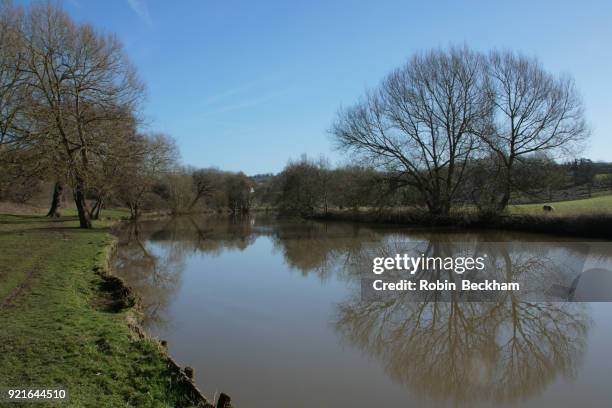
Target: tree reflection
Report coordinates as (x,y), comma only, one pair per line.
(152,254)
(322,249)
(464,352)
(211,235)
(153,275)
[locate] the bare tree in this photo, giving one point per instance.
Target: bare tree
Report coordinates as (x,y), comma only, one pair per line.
(80,79)
(303,186)
(204,183)
(353,187)
(238,189)
(420,123)
(152,156)
(111,158)
(534,111)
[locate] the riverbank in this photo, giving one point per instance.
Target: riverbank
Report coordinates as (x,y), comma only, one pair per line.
(583,225)
(66,323)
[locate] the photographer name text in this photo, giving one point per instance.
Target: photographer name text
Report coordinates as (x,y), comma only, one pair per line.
(445,285)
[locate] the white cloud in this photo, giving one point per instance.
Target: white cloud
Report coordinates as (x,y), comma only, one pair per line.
(141,9)
(245,103)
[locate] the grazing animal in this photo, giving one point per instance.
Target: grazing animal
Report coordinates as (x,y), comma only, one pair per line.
(548,208)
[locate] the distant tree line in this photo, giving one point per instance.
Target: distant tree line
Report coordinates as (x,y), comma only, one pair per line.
(308,186)
(188,190)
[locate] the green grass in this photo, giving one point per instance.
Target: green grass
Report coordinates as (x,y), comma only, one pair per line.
(56,327)
(595,205)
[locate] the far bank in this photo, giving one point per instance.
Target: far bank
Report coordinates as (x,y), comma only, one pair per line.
(583,225)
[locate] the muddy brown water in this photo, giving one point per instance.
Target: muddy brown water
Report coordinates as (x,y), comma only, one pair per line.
(270,311)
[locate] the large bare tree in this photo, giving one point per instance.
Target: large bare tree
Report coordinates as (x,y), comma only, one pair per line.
(420,124)
(534,112)
(80,80)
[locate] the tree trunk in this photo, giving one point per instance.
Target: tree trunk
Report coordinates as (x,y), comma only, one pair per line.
(437,206)
(94,213)
(97,214)
(194,202)
(79,200)
(92,210)
(505,200)
(439,210)
(56,199)
(445,208)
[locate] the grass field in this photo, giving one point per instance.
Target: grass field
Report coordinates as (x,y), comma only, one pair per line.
(595,205)
(59,321)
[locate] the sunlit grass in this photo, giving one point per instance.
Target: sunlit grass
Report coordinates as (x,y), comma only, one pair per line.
(55,330)
(595,205)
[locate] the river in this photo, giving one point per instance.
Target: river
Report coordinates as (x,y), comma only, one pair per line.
(271,311)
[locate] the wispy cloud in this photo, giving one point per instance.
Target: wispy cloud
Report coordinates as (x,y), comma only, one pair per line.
(246,103)
(141,9)
(226,94)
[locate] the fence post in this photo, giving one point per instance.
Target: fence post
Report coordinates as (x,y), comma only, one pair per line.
(189,372)
(223,401)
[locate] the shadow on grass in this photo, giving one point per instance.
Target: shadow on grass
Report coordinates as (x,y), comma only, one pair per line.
(24,224)
(27,219)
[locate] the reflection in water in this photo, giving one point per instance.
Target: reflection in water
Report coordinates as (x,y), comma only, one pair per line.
(503,351)
(153,277)
(320,248)
(469,351)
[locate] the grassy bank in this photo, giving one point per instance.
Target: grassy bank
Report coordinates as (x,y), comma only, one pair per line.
(64,321)
(570,221)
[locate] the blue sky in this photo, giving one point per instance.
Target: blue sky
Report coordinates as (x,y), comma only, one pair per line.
(246,85)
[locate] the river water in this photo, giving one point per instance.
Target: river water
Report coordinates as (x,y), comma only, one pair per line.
(271,311)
